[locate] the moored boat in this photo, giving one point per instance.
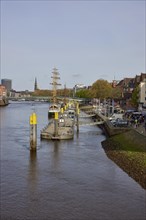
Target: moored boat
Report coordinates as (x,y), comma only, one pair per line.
(52,109)
(61,123)
(3,101)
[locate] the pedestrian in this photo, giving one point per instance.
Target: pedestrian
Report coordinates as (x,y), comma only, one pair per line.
(136,123)
(145,122)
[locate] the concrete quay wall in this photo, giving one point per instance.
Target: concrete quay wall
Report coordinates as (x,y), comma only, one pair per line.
(110,130)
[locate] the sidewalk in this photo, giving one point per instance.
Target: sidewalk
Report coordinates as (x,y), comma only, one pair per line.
(141,129)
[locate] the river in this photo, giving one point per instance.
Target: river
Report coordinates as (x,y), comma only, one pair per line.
(64,180)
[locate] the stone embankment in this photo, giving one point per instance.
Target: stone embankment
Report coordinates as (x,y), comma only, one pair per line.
(127,148)
(110,130)
(128,151)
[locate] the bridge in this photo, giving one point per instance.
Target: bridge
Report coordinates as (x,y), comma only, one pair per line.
(87,116)
(98,119)
(43,98)
(30,98)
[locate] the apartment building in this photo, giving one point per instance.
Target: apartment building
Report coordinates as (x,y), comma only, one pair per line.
(142,94)
(7,83)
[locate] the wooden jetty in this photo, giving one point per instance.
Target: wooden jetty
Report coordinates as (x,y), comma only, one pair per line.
(59,129)
(63,133)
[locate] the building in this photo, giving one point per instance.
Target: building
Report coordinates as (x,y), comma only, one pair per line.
(20,94)
(78,87)
(127,85)
(142,94)
(115,83)
(7,83)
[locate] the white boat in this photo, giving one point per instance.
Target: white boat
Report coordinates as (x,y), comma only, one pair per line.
(52,109)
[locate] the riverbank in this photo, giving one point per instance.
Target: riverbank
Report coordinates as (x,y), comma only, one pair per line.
(128,151)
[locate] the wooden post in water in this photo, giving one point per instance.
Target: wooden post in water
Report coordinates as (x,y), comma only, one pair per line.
(77,116)
(33,131)
(56,124)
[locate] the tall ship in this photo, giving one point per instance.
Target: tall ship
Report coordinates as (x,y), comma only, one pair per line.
(61,125)
(54,107)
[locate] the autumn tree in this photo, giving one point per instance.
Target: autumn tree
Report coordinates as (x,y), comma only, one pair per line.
(84,93)
(101,89)
(39,92)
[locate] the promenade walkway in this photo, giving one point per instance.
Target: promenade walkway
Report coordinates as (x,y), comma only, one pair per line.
(141,129)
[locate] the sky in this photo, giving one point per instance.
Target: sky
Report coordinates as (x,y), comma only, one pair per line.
(84,40)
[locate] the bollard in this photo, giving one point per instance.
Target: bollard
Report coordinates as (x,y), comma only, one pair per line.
(56,124)
(33,131)
(61,110)
(64,107)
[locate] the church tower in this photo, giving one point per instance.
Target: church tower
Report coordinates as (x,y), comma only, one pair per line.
(35,85)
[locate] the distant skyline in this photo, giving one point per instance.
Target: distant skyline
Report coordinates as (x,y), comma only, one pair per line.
(84,40)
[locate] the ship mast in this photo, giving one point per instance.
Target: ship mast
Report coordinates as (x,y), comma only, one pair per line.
(54,84)
(65,93)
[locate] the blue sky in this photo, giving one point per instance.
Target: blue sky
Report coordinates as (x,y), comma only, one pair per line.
(84,40)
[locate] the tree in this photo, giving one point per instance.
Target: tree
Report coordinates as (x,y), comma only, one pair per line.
(135,97)
(84,93)
(116,93)
(101,89)
(40,92)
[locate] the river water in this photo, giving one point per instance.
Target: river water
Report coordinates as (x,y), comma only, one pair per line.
(64,180)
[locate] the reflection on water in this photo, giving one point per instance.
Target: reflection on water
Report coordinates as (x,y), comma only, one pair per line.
(56,154)
(62,180)
(32,174)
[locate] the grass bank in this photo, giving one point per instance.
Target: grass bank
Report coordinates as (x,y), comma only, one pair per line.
(128,151)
